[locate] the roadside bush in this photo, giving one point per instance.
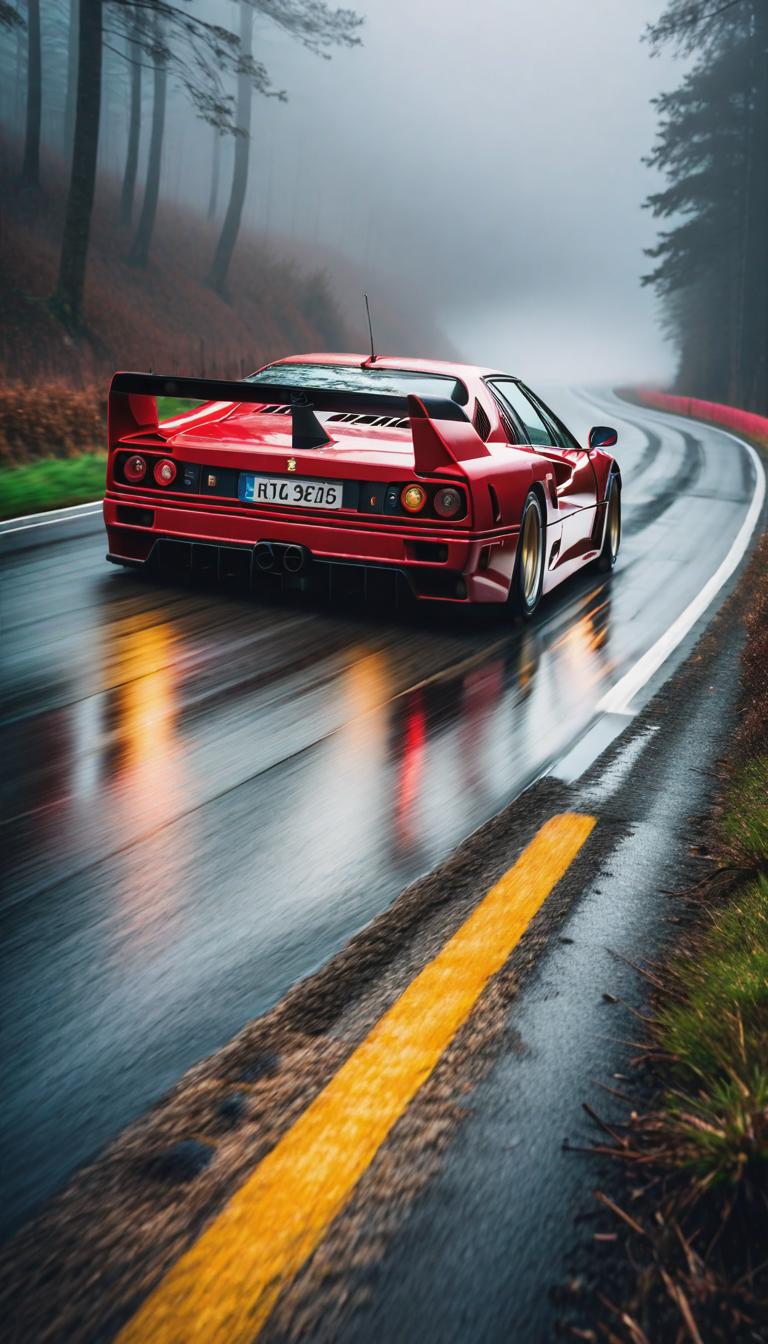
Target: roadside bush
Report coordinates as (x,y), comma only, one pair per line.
(54,420)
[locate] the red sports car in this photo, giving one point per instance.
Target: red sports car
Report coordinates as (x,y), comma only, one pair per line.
(360,474)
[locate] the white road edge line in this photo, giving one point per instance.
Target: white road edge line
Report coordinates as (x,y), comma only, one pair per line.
(618,699)
(69,515)
(55,513)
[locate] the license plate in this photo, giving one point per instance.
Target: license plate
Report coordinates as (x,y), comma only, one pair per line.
(296,491)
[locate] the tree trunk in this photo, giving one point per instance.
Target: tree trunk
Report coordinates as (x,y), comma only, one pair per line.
(217,276)
(213,199)
(139,253)
(134,131)
(71,100)
(18,102)
(67,300)
(30,169)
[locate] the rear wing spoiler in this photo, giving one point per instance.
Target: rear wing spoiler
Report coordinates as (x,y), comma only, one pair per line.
(442,433)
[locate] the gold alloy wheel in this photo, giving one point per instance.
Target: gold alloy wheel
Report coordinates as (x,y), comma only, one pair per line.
(614,522)
(530,554)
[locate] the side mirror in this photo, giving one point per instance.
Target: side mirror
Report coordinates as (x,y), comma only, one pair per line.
(602,436)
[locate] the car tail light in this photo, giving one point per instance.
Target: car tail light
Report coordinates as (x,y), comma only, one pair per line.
(165,471)
(134,469)
(413,498)
(448,502)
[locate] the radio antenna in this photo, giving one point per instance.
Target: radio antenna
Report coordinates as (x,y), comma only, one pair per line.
(372,359)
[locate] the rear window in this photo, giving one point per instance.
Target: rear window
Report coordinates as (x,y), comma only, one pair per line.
(345,378)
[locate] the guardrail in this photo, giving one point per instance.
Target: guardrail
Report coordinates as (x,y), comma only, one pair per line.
(717,413)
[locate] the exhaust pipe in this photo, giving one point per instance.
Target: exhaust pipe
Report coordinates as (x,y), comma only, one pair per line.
(294,558)
(264,556)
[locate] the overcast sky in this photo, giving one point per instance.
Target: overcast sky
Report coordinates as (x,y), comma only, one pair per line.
(485,156)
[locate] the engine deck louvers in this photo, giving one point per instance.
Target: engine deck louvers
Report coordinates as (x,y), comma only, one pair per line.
(377,421)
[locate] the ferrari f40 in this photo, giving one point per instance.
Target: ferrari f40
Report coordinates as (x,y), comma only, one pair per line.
(360,475)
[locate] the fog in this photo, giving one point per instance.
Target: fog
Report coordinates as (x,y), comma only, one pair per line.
(486,157)
(475,167)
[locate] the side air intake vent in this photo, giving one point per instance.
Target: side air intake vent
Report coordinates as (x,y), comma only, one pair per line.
(495,510)
(481,422)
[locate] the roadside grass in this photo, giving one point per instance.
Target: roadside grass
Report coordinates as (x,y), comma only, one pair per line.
(57,481)
(716,1034)
(744,824)
(51,483)
(696,1159)
(713,1023)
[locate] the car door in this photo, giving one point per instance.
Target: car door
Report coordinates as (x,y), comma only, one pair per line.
(574,474)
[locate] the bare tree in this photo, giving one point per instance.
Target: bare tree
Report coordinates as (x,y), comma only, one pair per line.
(30,169)
(139,253)
(67,300)
(71,98)
(228,236)
(133,52)
(196,52)
(213,198)
(10,16)
(317,27)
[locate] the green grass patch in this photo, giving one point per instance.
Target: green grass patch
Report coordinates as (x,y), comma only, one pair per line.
(745,824)
(714,1020)
(55,482)
(51,483)
(715,1027)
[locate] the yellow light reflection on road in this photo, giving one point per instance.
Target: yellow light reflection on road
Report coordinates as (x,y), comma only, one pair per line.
(148,788)
(147,697)
(583,646)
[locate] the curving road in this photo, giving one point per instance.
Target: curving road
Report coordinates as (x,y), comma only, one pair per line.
(204,798)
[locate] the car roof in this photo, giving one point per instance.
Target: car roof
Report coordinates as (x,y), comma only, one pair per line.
(404,363)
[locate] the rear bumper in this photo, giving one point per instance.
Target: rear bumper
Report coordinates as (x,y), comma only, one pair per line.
(438,565)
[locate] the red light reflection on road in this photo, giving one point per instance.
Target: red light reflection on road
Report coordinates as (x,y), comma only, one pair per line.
(410,773)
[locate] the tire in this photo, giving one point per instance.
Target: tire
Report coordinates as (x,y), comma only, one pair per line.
(612,535)
(528,575)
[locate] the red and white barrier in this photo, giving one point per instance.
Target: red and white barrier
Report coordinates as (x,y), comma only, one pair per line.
(730,417)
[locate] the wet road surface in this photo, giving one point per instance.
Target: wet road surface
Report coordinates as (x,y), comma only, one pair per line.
(204,798)
(488,1249)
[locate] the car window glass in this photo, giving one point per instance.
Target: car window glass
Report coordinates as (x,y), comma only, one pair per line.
(536,430)
(562,435)
(512,429)
(351,378)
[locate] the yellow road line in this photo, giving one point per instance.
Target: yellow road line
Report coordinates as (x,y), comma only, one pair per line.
(223,1289)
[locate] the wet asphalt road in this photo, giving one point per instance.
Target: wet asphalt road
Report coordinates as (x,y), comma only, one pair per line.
(204,798)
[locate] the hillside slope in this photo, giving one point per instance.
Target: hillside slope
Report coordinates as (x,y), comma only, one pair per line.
(163,316)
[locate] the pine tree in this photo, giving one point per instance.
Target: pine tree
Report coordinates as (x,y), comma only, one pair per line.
(711,267)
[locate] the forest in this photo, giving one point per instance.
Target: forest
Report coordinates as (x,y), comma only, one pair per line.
(112,251)
(710,263)
(110,256)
